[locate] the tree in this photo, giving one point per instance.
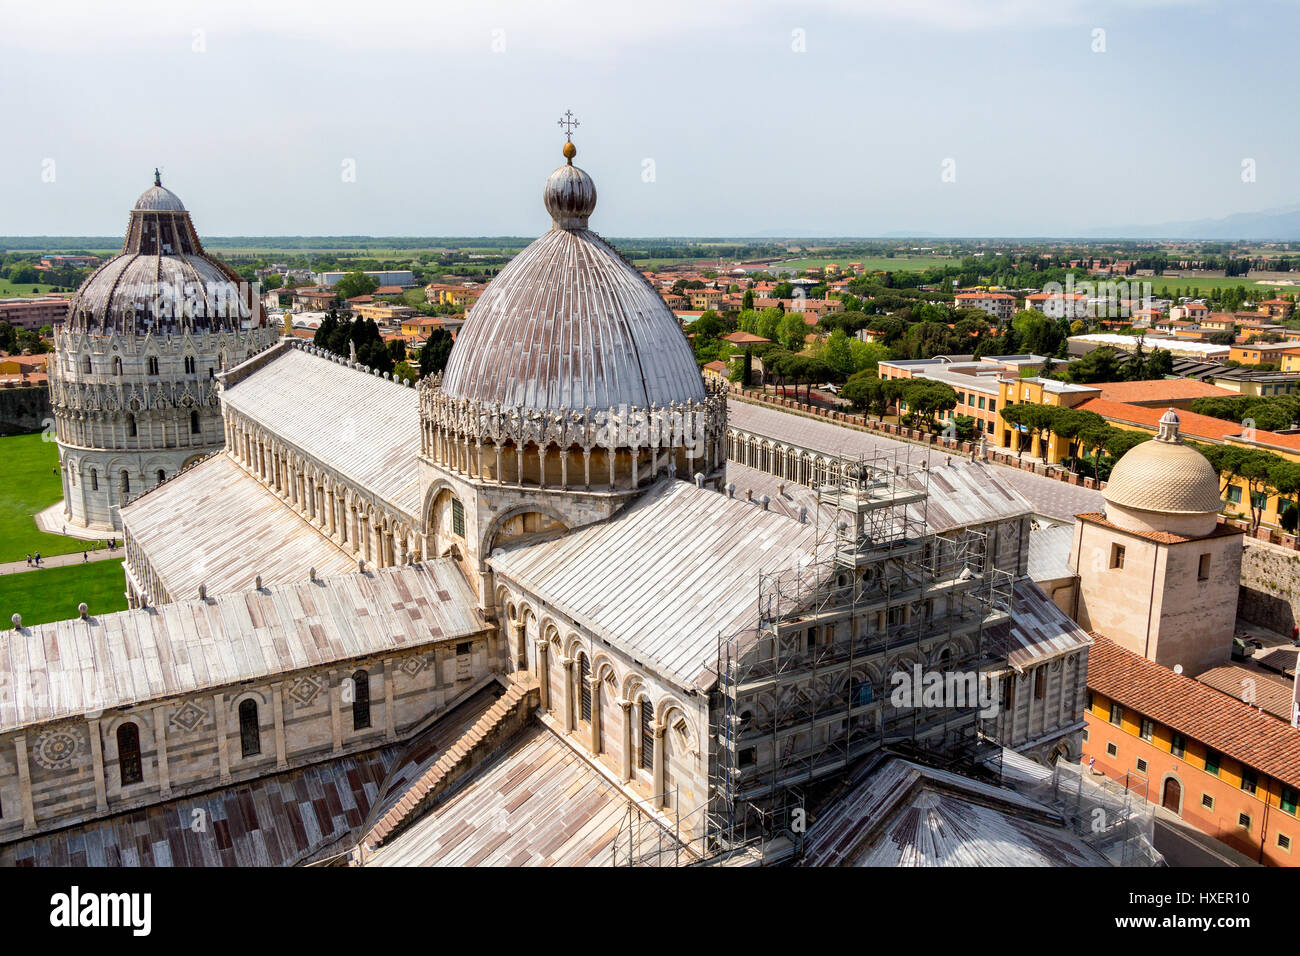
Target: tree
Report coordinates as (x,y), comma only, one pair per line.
(747,300)
(867,356)
(354,284)
(405,371)
(792,331)
(838,354)
(865,391)
(434,352)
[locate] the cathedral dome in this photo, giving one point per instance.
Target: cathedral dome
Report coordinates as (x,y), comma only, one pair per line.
(161,280)
(1164,485)
(570,324)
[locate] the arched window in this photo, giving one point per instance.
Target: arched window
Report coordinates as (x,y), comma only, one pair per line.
(128,754)
(94,480)
(584,686)
(189,365)
(250,735)
(194,423)
(126,482)
(130,424)
(153,365)
(162,476)
(360,700)
(647,735)
(457,517)
(117,366)
(85,365)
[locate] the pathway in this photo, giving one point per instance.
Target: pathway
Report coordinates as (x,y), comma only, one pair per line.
(63,560)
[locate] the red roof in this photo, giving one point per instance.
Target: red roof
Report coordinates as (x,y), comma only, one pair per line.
(1189,423)
(1202,713)
(745,338)
(1161,390)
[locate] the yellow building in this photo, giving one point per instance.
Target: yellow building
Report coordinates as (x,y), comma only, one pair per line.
(384,313)
(1038,391)
(1256,353)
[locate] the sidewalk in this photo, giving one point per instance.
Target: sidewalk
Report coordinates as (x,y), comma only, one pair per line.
(62,560)
(51,521)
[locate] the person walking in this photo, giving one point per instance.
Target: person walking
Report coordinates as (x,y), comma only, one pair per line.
(84,557)
(38,559)
(29,560)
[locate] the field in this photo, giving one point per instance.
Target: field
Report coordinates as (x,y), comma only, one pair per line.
(10,291)
(871,263)
(27,486)
(1160,284)
(53,594)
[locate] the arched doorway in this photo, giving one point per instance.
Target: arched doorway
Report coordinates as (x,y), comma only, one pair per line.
(1172,798)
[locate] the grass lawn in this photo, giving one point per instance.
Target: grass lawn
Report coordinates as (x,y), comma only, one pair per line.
(1162,285)
(10,291)
(27,486)
(52,594)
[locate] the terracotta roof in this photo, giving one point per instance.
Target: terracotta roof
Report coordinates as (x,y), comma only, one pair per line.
(1160,537)
(1195,710)
(744,338)
(1161,390)
(1190,425)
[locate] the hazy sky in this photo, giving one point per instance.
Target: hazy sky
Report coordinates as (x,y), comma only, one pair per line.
(822,117)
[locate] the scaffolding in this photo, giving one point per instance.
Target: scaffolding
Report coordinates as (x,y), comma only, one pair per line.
(802,695)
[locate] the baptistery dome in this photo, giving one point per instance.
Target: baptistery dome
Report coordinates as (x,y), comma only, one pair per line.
(570,324)
(1164,485)
(161,280)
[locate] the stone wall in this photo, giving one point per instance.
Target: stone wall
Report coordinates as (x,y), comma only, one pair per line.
(69,771)
(1270,586)
(24,409)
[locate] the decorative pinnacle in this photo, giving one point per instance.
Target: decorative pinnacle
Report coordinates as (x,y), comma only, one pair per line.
(568,121)
(157,177)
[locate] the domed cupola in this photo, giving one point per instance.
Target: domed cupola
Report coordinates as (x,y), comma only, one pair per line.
(571,372)
(1164,485)
(569,324)
(161,281)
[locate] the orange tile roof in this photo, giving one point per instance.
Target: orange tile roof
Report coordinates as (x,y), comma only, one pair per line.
(1148,417)
(745,338)
(1161,390)
(1202,713)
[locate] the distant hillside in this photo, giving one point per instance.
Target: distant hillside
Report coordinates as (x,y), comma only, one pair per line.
(1269,225)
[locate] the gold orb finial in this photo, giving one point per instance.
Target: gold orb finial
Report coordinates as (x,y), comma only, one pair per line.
(570,151)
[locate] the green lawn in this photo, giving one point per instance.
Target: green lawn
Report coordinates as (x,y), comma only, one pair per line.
(1161,285)
(10,291)
(52,594)
(27,486)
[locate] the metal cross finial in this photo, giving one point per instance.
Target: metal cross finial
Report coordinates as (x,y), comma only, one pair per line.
(568,122)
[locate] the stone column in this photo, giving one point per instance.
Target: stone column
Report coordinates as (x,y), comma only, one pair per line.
(97,757)
(593,682)
(568,693)
(223,755)
(627,737)
(160,739)
(336,726)
(277,711)
(24,782)
(544,673)
(390,725)
(660,798)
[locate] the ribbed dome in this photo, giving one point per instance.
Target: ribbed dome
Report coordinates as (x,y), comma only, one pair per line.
(159,198)
(569,324)
(161,280)
(1164,476)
